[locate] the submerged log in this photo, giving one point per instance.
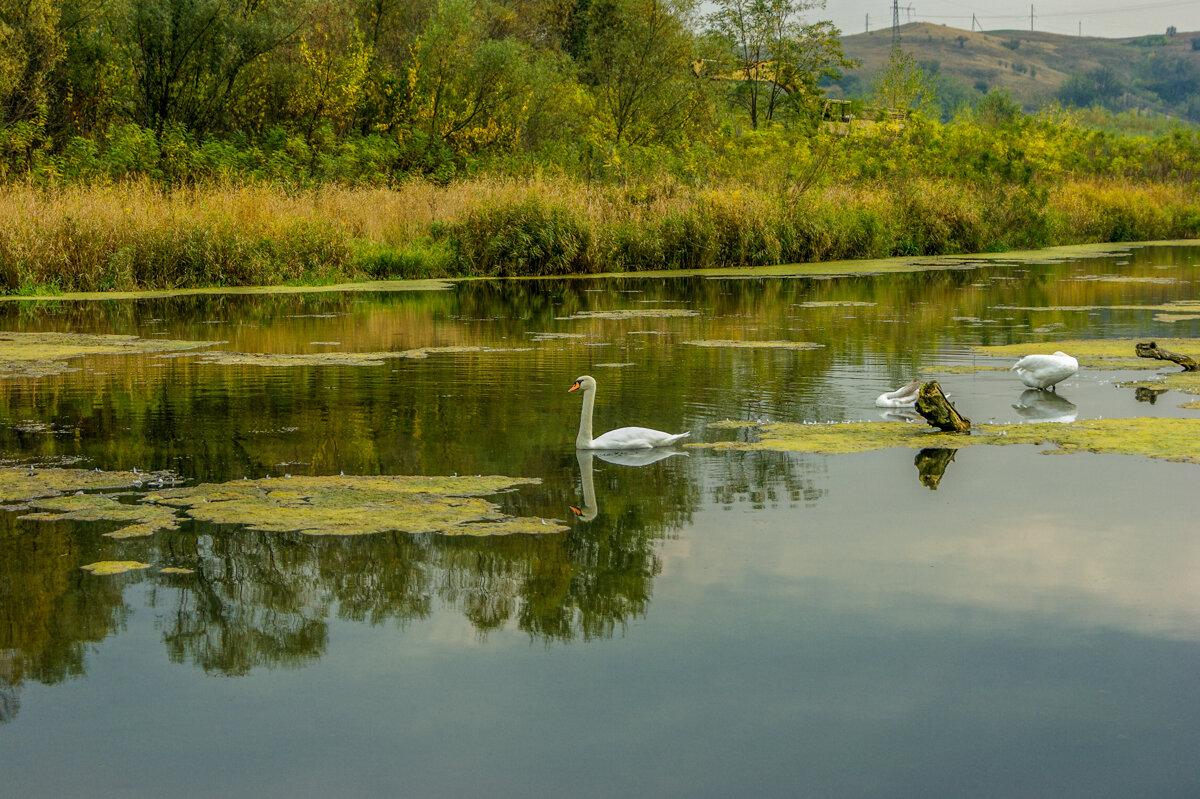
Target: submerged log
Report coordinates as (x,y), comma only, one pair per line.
(1150,349)
(939,411)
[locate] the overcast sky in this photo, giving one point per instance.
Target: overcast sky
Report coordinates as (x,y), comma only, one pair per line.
(1110,18)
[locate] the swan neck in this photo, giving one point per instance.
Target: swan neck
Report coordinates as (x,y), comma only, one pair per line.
(589,509)
(584,439)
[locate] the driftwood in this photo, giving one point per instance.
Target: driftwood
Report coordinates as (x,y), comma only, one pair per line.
(1152,350)
(939,411)
(931,463)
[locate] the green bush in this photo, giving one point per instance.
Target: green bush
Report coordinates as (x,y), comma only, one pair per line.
(531,237)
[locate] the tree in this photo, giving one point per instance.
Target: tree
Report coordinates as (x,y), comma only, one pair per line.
(638,61)
(187,55)
(902,84)
(778,58)
(30,48)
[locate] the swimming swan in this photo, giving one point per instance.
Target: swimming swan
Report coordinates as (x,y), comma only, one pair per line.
(1043,371)
(902,397)
(621,438)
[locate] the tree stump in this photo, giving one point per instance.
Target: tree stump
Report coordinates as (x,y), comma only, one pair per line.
(939,411)
(1149,349)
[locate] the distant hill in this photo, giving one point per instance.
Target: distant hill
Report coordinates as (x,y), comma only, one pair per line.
(1154,73)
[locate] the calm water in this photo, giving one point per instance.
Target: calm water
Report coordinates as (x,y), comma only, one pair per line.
(755,624)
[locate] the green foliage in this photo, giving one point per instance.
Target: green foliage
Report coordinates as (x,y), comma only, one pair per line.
(530,237)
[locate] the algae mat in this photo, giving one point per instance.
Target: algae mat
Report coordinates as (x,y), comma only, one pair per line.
(41,354)
(1109,353)
(24,484)
(1168,439)
(359,505)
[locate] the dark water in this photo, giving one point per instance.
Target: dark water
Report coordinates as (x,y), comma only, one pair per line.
(727,624)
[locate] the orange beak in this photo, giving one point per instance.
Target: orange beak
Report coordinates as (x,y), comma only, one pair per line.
(572,388)
(575,510)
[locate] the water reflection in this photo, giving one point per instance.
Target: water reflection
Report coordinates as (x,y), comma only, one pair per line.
(635,458)
(931,464)
(264,601)
(1045,406)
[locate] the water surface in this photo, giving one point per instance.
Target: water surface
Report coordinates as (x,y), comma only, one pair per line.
(713,624)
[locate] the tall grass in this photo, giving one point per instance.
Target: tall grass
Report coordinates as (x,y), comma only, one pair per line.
(140,236)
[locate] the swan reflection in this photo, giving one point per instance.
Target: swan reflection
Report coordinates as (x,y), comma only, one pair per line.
(635,458)
(901,415)
(1042,406)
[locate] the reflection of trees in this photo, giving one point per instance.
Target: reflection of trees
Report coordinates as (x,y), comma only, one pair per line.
(767,478)
(260,600)
(49,610)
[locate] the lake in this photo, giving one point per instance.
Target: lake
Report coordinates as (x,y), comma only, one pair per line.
(984,621)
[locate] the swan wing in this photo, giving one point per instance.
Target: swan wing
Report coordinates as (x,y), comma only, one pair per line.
(636,438)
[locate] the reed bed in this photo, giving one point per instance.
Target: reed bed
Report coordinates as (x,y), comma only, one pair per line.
(140,236)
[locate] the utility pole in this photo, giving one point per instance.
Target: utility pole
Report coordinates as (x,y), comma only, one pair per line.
(868,30)
(974,22)
(908,13)
(1031,17)
(895,22)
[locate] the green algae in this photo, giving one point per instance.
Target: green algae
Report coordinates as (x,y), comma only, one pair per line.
(43,354)
(22,484)
(224,358)
(630,313)
(1095,353)
(107,567)
(175,570)
(359,505)
(138,520)
(370,285)
(749,344)
(1175,317)
(833,304)
(1168,439)
(963,369)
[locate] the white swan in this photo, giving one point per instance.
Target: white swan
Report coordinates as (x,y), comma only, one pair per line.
(621,438)
(637,458)
(1043,371)
(902,397)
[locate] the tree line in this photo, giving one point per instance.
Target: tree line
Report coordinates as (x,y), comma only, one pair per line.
(430,84)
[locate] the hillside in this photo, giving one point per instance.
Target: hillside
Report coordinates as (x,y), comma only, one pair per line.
(1156,73)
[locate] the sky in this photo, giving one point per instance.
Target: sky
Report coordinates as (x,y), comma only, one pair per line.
(1107,18)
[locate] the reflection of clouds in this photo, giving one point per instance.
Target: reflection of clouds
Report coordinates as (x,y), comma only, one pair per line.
(1045,543)
(1042,406)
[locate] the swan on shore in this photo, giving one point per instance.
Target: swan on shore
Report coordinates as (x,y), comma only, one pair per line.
(623,437)
(902,397)
(1043,371)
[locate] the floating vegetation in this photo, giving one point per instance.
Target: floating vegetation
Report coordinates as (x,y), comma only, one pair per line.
(138,520)
(1170,307)
(223,358)
(106,567)
(1094,353)
(612,365)
(43,354)
(1169,439)
(965,369)
(749,344)
(175,570)
(558,336)
(25,484)
(834,304)
(1123,279)
(359,505)
(630,313)
(1175,317)
(372,285)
